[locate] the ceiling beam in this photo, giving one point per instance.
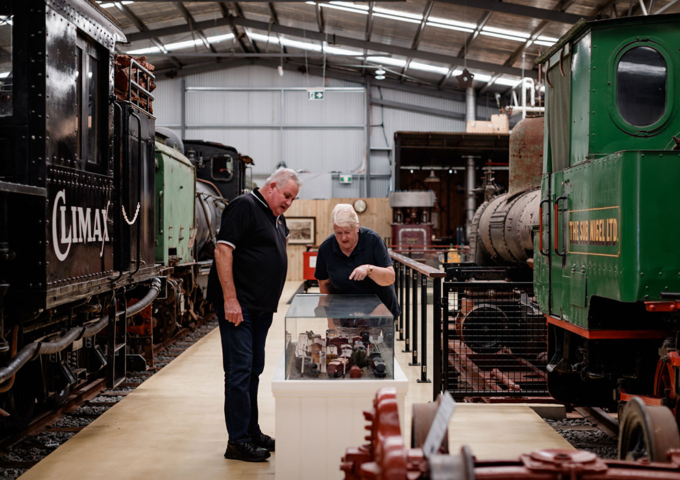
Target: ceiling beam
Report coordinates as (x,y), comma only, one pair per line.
(419,32)
(238,36)
(346,41)
(331,72)
(462,53)
(516,9)
(190,20)
(137,22)
(319,18)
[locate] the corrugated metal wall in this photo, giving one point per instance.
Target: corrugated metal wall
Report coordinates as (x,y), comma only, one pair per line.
(253,109)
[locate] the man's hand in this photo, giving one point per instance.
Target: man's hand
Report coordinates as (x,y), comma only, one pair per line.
(233,312)
(359,273)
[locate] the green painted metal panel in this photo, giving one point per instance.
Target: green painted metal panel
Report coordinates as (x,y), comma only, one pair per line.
(175,206)
(580,105)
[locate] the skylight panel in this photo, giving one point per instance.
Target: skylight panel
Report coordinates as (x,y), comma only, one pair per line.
(428,68)
(452,23)
(143,51)
(510,33)
(395,13)
(387,61)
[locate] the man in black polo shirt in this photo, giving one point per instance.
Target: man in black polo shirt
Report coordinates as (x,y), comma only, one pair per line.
(245,284)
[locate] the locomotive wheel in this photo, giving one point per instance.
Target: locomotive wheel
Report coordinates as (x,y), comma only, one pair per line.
(421,420)
(647,432)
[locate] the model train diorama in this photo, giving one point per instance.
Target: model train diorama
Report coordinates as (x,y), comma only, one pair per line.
(338,354)
(606,267)
(106,231)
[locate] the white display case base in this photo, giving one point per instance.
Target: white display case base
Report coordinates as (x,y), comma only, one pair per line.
(317,420)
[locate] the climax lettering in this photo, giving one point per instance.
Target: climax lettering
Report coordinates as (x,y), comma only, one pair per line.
(86,225)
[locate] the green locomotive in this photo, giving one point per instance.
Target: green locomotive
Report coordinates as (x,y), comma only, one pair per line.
(608,274)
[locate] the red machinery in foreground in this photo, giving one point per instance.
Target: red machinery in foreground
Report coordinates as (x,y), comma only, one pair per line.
(387,458)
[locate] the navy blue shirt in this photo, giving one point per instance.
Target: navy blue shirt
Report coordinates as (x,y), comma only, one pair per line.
(260,261)
(333,265)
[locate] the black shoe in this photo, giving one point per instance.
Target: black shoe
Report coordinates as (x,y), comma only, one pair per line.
(247,452)
(263,441)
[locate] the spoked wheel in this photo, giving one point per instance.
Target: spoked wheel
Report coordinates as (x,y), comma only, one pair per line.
(647,432)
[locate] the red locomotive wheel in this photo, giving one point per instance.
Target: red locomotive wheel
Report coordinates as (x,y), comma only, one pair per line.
(647,432)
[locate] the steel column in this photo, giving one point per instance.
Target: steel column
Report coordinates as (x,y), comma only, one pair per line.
(444,352)
(470,200)
(414,343)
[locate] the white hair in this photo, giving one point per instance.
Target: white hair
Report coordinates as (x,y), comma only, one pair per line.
(281,177)
(344,215)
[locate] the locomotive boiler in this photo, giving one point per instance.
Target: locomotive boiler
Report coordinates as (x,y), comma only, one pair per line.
(493,316)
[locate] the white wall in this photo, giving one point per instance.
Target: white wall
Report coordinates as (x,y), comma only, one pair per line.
(275,125)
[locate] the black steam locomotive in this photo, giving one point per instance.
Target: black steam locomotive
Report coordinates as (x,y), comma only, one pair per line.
(81,213)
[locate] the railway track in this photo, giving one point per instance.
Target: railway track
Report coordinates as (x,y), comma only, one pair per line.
(87,401)
(590,429)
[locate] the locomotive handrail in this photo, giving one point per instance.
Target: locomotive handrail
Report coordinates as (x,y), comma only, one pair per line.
(540,228)
(139,192)
(140,89)
(557,228)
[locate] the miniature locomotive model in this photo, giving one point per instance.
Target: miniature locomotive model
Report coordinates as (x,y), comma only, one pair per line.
(338,355)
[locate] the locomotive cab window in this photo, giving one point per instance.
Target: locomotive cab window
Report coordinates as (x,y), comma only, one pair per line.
(88,96)
(641,77)
(222,167)
(6,65)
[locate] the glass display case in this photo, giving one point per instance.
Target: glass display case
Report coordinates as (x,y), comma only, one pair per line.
(339,336)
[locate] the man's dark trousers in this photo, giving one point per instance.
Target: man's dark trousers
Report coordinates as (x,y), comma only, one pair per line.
(243,361)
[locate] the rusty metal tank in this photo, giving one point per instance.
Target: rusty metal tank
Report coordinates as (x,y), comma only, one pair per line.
(502,227)
(526,155)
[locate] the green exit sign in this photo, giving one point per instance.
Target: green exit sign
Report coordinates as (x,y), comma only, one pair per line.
(344,179)
(315,93)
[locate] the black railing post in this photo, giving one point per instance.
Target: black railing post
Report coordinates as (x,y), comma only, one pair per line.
(406,312)
(414,326)
(445,335)
(402,286)
(423,326)
(437,337)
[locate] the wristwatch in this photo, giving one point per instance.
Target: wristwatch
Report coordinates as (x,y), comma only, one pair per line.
(370,270)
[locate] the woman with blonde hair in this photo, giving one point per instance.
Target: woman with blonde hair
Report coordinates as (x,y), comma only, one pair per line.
(355,260)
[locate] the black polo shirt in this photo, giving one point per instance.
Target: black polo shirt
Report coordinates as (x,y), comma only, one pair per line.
(333,265)
(258,239)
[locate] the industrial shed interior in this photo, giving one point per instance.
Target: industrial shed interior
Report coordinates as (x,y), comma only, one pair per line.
(515,161)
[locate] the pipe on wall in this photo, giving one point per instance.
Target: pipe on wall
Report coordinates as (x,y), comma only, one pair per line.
(470,200)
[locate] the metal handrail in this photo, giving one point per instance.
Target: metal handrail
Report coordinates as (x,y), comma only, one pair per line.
(409,275)
(139,88)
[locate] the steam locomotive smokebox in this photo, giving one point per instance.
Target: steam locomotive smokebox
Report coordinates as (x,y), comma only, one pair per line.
(411,217)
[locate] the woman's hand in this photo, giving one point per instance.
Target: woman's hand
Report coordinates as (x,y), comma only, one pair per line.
(360,273)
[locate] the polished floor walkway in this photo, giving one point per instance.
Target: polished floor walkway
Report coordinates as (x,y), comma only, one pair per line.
(172,426)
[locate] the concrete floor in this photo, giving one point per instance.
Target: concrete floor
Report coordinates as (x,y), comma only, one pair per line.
(172,426)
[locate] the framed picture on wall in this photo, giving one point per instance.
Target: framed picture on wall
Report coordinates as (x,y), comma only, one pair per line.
(302,230)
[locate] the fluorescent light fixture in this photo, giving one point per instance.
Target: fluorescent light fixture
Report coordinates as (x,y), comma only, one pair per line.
(453,23)
(340,51)
(143,51)
(545,44)
(181,45)
(346,9)
(480,77)
(380,77)
(395,13)
(351,5)
(450,27)
(511,33)
(503,36)
(395,62)
(428,68)
(392,17)
(220,38)
(113,4)
(510,82)
(547,39)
